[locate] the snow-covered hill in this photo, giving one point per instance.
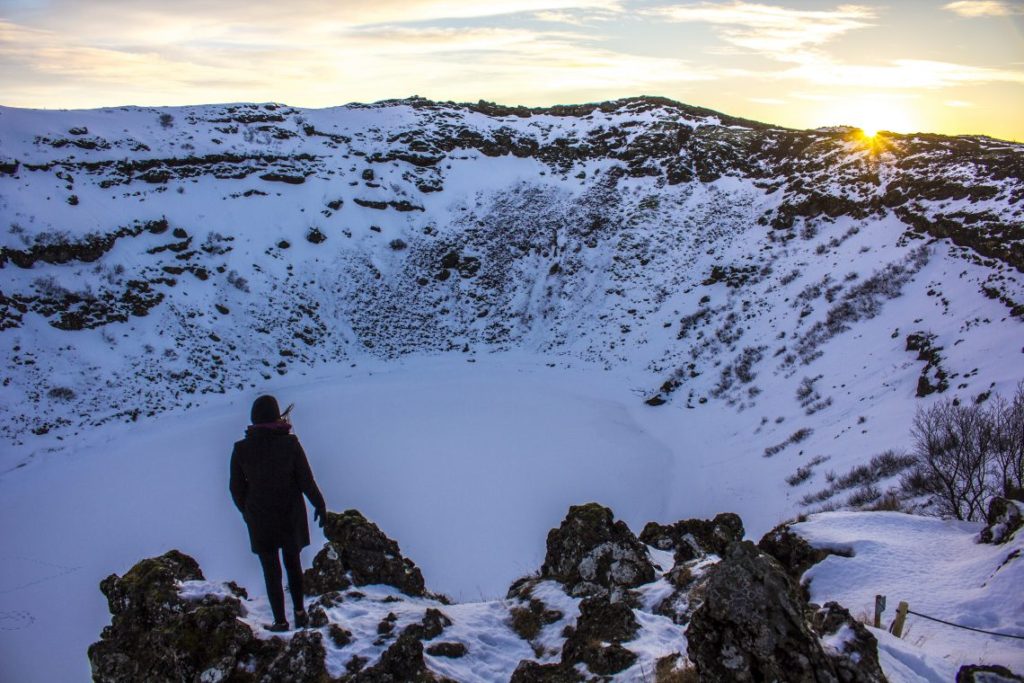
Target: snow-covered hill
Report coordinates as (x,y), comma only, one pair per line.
(152,256)
(662,308)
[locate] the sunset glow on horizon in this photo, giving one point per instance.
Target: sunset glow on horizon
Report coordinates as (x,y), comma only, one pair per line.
(945,67)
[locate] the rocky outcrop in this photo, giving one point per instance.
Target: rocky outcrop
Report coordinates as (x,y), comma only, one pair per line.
(752,626)
(592,554)
(693,538)
(1004,518)
(358,553)
(156,635)
(750,623)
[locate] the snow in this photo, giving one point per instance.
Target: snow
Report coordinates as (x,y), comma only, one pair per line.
(489,457)
(937,567)
(466,459)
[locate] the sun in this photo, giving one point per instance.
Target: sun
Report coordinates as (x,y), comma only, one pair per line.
(874,115)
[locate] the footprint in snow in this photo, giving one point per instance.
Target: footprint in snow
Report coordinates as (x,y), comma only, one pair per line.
(16,621)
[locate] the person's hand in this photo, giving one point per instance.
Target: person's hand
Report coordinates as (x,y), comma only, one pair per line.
(320,516)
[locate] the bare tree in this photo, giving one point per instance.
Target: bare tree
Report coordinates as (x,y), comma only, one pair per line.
(955,446)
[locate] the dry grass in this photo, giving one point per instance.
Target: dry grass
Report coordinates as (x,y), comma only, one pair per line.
(675,669)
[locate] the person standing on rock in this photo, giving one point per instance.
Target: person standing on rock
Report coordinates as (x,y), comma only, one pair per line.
(269,475)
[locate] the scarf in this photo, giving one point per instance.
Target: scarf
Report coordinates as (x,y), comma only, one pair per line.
(278,426)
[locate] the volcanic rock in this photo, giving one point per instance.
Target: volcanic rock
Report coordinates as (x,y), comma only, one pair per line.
(357,552)
(592,554)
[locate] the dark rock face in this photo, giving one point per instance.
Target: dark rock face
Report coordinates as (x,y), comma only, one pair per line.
(592,554)
(1004,519)
(156,635)
(692,538)
(752,627)
(358,552)
(856,659)
(986,673)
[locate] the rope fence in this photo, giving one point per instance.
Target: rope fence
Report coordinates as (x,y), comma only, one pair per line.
(968,628)
(896,628)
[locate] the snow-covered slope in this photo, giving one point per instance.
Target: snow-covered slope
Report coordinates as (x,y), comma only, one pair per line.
(151,256)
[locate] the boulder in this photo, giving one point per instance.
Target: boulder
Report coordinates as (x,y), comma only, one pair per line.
(693,538)
(357,552)
(157,635)
(592,554)
(751,625)
(1005,516)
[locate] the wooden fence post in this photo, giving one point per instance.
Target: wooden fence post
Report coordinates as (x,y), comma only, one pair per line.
(879,608)
(901,616)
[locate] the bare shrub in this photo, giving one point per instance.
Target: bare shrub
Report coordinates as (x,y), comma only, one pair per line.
(882,466)
(864,496)
(796,437)
(804,472)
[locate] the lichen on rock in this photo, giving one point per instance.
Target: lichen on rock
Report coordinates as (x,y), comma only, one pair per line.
(593,554)
(157,635)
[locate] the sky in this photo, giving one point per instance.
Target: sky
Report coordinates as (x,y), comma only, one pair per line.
(904,65)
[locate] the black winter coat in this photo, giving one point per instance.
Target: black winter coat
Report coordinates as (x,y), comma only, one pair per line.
(269,475)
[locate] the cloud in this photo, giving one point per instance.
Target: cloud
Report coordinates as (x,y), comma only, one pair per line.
(984,8)
(780,32)
(901,74)
(332,66)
